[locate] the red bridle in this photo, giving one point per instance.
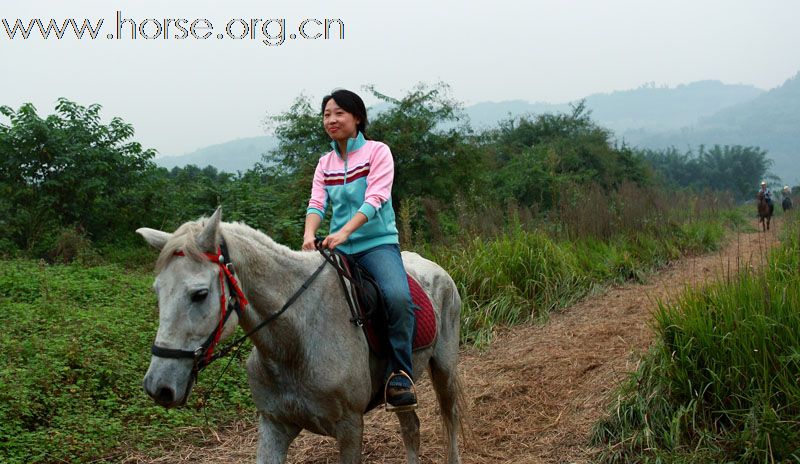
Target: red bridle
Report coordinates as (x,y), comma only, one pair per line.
(204,354)
(224,272)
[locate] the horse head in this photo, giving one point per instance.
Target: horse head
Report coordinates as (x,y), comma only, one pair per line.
(189,290)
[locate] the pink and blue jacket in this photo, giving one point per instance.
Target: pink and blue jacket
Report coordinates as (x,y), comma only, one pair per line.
(361,182)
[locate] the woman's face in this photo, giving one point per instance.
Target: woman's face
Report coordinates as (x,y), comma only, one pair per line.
(339,124)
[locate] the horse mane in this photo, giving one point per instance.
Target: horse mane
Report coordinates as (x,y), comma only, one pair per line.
(184,239)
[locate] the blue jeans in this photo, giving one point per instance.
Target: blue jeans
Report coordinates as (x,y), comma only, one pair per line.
(385,265)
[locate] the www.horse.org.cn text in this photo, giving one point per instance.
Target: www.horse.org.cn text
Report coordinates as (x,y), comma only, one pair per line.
(271,32)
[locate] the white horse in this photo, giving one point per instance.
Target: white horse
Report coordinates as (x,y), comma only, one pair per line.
(310,367)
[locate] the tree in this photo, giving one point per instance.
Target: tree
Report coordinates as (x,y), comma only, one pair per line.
(535,158)
(431,143)
(68,170)
(301,138)
(735,168)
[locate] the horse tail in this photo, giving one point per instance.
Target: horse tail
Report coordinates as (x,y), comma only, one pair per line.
(446,380)
(461,406)
(461,397)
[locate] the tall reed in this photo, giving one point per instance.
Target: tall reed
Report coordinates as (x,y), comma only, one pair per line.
(524,273)
(721,383)
(511,279)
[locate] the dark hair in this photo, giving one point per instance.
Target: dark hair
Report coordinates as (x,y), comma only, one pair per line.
(350,102)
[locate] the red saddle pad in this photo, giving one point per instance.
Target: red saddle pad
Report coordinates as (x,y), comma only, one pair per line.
(425,333)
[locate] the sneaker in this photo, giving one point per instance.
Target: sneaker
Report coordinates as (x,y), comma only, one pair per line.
(400,393)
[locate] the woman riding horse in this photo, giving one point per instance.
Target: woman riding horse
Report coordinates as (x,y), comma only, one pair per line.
(356,178)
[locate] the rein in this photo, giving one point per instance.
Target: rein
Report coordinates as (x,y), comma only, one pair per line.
(339,263)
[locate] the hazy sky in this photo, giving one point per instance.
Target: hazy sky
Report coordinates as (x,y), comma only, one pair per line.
(185,93)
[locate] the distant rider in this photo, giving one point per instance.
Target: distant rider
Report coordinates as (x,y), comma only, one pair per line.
(786,203)
(767,194)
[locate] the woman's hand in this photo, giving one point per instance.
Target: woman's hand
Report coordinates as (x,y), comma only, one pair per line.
(309,243)
(309,233)
(334,240)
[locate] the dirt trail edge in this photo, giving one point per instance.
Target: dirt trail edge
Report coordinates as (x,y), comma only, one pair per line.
(535,394)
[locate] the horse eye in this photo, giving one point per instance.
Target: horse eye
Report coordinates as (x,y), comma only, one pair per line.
(199,296)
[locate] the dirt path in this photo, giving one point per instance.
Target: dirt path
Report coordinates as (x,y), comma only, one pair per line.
(534,395)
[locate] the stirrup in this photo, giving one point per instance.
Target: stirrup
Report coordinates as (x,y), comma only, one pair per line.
(405,407)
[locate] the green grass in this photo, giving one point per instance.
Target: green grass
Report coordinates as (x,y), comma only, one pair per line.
(510,279)
(721,383)
(75,347)
(523,275)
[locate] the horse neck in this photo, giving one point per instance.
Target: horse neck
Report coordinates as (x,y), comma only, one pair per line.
(270,274)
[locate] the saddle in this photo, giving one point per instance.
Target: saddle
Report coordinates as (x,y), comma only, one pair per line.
(368,309)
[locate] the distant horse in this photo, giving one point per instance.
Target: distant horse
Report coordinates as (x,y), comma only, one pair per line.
(786,204)
(310,368)
(765,211)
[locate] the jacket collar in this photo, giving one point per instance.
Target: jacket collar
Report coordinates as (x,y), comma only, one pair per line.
(353,144)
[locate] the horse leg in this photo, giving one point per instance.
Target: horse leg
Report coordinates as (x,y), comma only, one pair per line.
(274,439)
(349,435)
(409,428)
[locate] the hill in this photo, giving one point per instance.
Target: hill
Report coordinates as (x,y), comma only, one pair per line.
(771,121)
(236,155)
(704,112)
(647,107)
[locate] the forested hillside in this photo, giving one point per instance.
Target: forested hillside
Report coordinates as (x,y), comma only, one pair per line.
(233,156)
(770,121)
(651,107)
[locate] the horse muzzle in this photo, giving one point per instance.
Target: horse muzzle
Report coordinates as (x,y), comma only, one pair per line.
(169,383)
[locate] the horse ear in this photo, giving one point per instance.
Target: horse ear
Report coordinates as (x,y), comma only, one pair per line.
(209,237)
(155,238)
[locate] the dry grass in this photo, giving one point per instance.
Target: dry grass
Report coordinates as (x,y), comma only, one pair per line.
(592,212)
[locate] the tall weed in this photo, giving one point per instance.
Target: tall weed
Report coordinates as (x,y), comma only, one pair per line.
(521,274)
(721,383)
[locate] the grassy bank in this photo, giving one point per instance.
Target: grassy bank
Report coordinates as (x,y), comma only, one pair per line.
(721,382)
(525,274)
